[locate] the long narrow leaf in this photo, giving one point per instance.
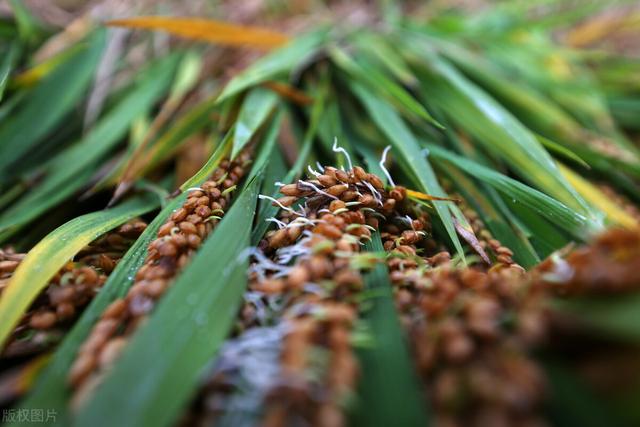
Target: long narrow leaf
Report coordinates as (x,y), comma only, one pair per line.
(534,200)
(405,143)
(166,356)
(207,30)
(67,169)
(276,63)
(615,213)
(51,389)
(500,133)
(256,107)
(389,393)
(7,66)
(49,102)
(48,256)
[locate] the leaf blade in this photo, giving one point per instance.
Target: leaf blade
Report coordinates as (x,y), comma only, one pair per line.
(389,392)
(403,140)
(255,109)
(163,384)
(70,170)
(51,389)
(65,85)
(207,30)
(48,256)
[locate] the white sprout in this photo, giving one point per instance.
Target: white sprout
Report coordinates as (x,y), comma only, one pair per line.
(301,221)
(263,263)
(288,253)
(376,194)
(314,288)
(384,169)
(313,172)
(405,220)
(194,189)
(271,199)
(320,167)
(339,211)
(317,190)
(304,209)
(338,149)
(410,221)
(279,184)
(279,223)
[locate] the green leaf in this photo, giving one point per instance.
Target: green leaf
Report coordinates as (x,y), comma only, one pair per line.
(266,149)
(625,110)
(29,28)
(376,81)
(7,108)
(380,48)
(412,159)
(532,108)
(49,103)
(256,107)
(612,316)
(51,389)
(500,133)
(519,193)
(48,256)
(7,66)
(311,132)
(221,151)
(196,119)
(496,215)
(276,63)
(69,171)
(572,403)
(275,171)
(389,393)
(168,353)
(562,150)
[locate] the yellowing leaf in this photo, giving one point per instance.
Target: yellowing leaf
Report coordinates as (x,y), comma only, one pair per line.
(289,92)
(595,30)
(593,195)
(30,372)
(423,196)
(207,30)
(48,256)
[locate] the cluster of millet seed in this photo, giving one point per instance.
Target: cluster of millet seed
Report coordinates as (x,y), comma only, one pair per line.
(106,251)
(9,261)
(466,355)
(455,318)
(177,240)
(609,265)
(70,290)
(472,332)
(341,209)
(297,397)
(311,263)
